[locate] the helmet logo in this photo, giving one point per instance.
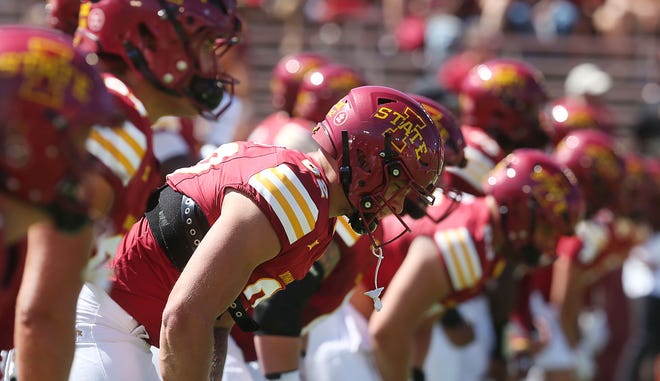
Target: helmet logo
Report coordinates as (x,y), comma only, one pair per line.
(340,118)
(48,75)
(603,162)
(406,129)
(437,117)
(550,190)
(506,77)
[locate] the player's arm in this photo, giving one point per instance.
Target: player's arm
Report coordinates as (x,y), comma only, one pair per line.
(46,303)
(211,281)
(567,293)
(278,343)
(421,345)
(417,284)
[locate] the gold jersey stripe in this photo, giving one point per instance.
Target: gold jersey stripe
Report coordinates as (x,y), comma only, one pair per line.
(295,192)
(136,146)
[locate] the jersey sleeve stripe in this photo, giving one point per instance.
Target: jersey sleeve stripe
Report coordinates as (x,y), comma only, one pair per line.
(129,141)
(452,263)
(291,190)
(133,138)
(113,151)
(281,206)
(297,214)
(480,163)
(345,232)
(461,257)
(476,169)
(286,176)
(471,256)
(111,145)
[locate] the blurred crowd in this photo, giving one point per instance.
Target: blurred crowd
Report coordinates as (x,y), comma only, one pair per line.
(531,251)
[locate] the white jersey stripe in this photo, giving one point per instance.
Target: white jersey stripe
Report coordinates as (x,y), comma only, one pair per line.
(291,202)
(461,257)
(477,167)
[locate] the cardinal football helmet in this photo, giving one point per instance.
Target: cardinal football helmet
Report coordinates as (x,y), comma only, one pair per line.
(174,45)
(572,113)
(450,131)
(504,97)
(379,136)
(482,153)
(322,87)
(592,156)
(453,145)
(530,186)
(287,76)
(49,99)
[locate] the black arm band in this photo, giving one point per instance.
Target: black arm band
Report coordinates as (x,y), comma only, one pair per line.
(281,314)
(498,345)
(452,318)
(67,221)
(418,374)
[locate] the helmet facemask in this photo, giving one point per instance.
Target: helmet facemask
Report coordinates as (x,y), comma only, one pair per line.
(364,218)
(524,249)
(417,209)
(209,82)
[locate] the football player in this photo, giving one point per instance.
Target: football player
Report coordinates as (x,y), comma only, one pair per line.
(49,99)
(530,202)
(159,60)
(292,313)
(224,235)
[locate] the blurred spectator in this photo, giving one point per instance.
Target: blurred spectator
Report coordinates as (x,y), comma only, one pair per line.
(547,19)
(587,79)
(626,17)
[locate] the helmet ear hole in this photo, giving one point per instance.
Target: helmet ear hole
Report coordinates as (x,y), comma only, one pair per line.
(148,39)
(363,161)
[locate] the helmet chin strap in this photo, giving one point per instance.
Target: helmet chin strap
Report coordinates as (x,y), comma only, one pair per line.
(356,220)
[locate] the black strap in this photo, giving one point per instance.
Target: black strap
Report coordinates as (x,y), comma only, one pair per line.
(178,225)
(165,216)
